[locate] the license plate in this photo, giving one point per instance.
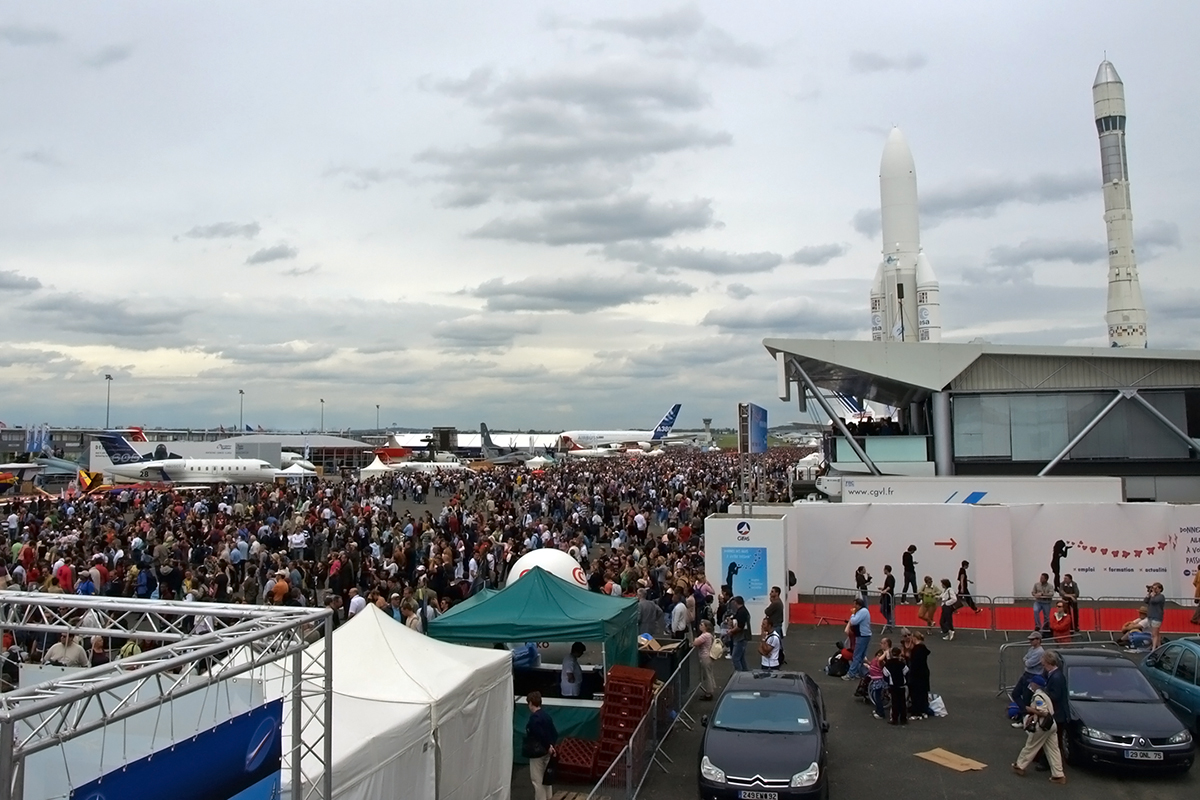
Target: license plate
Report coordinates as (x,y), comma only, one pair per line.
(758,795)
(1144,755)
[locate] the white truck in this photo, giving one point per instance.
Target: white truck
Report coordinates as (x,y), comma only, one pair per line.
(981,489)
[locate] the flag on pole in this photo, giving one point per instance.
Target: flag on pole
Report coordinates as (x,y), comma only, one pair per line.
(307,449)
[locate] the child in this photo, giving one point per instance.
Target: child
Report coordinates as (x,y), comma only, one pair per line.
(895,672)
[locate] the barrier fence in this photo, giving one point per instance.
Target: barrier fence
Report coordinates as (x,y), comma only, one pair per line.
(624,778)
(831,605)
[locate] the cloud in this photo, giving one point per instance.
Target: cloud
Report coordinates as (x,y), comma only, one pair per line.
(362,178)
(996,274)
(485,333)
(21,36)
(818,254)
(72,311)
(569,135)
(300,272)
(224,230)
(43,158)
(1032,251)
(683,22)
(791,317)
(278,252)
(601,221)
(11,356)
(716,262)
(865,63)
(1154,237)
(294,352)
(108,56)
(984,197)
(578,294)
(738,291)
(13,281)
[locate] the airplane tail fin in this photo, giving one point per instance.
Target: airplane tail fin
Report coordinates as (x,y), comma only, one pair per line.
(486,445)
(118,450)
(664,426)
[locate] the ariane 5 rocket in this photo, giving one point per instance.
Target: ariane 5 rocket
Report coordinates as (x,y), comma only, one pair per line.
(905,297)
(1126,317)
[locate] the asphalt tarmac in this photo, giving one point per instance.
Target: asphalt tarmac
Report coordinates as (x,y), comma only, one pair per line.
(869,758)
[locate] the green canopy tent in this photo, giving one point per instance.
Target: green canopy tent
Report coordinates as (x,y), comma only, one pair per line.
(541,607)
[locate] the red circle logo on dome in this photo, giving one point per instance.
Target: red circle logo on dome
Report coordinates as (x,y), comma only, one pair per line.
(577,574)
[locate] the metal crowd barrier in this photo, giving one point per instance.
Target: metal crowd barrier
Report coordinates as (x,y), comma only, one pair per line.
(824,595)
(1004,687)
(1177,617)
(623,780)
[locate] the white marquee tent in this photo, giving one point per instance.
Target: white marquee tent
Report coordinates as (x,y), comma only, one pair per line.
(373,469)
(413,715)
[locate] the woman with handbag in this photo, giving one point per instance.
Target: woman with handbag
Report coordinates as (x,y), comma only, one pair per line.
(949,601)
(538,747)
(704,644)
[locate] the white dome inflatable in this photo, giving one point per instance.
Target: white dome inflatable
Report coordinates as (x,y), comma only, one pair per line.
(556,562)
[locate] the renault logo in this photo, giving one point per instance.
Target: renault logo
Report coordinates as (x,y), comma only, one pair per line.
(1142,742)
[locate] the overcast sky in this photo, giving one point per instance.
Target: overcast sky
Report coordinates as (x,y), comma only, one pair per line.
(551,215)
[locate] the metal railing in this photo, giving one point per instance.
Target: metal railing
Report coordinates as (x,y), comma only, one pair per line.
(1006,649)
(822,595)
(624,778)
(1179,617)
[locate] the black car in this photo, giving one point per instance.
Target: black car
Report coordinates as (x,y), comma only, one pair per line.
(765,739)
(1116,716)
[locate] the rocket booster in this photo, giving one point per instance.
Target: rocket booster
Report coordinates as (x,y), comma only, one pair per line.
(905,295)
(1126,316)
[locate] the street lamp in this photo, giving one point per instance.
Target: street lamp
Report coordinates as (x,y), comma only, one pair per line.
(241,408)
(322,415)
(108,399)
(377,418)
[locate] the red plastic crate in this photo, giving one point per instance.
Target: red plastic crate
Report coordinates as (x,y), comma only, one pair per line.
(577,759)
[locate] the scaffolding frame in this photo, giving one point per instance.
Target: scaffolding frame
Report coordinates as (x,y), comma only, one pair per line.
(237,639)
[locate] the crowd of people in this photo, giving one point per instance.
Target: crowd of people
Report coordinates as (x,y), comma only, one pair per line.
(941,600)
(411,543)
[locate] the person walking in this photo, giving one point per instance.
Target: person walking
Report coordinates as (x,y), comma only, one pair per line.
(1156,609)
(774,613)
(703,646)
(1042,594)
(1040,726)
(948,600)
(887,598)
(739,634)
(929,602)
(964,587)
(860,627)
(918,676)
(909,567)
(1056,689)
(540,739)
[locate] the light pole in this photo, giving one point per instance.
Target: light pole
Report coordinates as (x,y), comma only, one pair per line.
(108,399)
(377,418)
(241,408)
(322,415)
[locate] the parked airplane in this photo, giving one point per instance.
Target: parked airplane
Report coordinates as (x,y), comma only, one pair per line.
(590,440)
(494,454)
(129,464)
(288,458)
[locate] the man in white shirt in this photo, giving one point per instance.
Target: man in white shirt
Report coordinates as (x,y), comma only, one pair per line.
(572,674)
(67,653)
(357,603)
(679,616)
(770,645)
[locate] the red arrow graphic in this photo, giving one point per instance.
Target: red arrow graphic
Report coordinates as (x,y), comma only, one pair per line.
(951,544)
(864,542)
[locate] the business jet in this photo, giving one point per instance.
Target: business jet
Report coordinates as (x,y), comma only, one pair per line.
(129,464)
(591,440)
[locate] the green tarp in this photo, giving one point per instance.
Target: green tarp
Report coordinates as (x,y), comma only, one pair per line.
(543,608)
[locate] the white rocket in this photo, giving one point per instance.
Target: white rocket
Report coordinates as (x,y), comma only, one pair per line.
(1126,317)
(905,297)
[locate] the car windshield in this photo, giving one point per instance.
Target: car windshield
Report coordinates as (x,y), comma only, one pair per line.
(764,712)
(1111,684)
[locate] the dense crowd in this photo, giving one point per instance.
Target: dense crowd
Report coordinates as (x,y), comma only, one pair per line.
(412,543)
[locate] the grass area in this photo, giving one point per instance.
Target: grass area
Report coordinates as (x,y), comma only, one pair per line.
(728,441)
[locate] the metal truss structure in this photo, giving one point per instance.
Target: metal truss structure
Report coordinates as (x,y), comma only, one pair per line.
(199,645)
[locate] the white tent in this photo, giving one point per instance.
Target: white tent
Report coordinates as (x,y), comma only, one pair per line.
(297,471)
(382,670)
(537,462)
(375,468)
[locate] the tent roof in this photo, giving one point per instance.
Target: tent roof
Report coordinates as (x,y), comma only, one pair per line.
(376,466)
(377,658)
(539,607)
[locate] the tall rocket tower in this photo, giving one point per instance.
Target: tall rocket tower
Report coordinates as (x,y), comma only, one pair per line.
(905,296)
(1126,317)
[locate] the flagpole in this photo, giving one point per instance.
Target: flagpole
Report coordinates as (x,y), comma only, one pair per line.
(108,379)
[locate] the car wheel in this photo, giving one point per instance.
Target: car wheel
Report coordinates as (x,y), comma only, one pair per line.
(1068,752)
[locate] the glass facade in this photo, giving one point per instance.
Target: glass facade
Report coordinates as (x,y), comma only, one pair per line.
(1036,427)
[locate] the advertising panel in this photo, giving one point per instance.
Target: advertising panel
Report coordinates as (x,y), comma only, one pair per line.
(751,553)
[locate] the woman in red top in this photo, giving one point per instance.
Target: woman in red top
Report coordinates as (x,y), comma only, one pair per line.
(1060,623)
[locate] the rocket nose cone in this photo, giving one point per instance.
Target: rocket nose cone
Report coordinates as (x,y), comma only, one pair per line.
(897,157)
(1106,74)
